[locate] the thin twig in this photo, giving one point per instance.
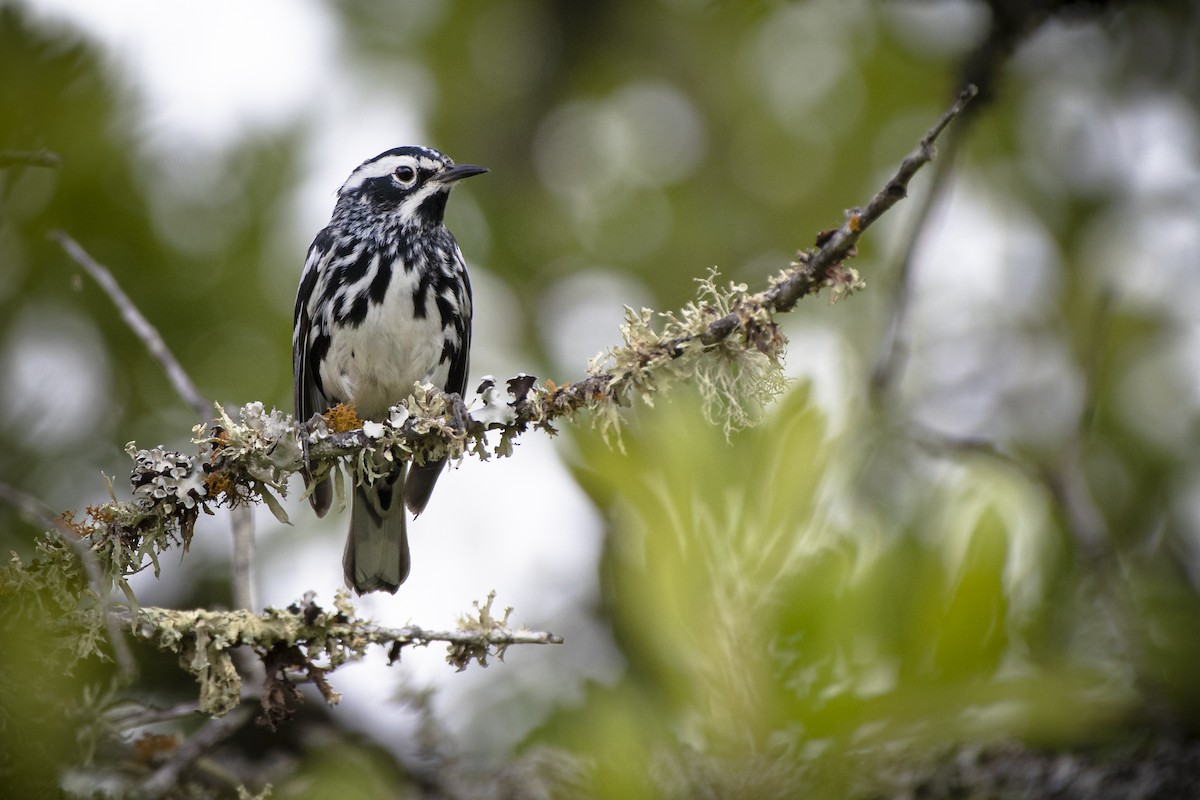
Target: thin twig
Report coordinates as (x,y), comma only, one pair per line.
(30,158)
(893,351)
(139,716)
(242,521)
(141,326)
(35,510)
(785,294)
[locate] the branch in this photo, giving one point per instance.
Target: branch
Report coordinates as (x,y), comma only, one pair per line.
(726,342)
(141,326)
(893,351)
(839,245)
(749,316)
(310,640)
(242,522)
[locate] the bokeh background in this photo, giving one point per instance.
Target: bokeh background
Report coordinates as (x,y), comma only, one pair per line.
(974,516)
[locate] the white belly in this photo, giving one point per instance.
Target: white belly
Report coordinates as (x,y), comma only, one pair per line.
(376,364)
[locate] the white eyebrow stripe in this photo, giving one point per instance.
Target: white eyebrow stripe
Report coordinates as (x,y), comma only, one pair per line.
(376,169)
(386,166)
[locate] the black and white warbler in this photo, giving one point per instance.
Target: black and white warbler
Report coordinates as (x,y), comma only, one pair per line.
(384,303)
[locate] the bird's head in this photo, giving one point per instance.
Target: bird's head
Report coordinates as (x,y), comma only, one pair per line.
(408,184)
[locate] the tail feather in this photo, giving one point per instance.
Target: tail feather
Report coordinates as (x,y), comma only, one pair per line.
(421,480)
(321,497)
(376,557)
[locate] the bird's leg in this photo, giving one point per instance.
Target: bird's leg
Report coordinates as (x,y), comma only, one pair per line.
(460,417)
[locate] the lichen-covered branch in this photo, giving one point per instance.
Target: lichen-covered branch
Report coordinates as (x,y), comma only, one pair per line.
(726,342)
(308,641)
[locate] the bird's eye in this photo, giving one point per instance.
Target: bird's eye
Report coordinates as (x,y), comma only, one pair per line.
(406,174)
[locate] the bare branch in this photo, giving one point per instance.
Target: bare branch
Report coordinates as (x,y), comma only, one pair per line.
(129,718)
(29,507)
(242,520)
(894,349)
(180,382)
(838,246)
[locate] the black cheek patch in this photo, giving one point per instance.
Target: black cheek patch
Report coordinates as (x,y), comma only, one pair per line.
(433,210)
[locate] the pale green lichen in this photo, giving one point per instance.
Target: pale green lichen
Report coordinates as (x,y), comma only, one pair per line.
(737,375)
(418,429)
(308,639)
(483,623)
(259,449)
(205,641)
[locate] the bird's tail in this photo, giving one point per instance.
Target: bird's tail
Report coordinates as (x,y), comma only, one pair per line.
(376,557)
(419,484)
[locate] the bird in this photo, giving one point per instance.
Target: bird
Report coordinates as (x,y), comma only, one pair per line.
(384,303)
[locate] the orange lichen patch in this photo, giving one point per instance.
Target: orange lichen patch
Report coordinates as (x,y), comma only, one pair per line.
(67,520)
(101,514)
(342,418)
(154,748)
(220,482)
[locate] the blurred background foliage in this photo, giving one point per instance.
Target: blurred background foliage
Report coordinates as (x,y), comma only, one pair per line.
(996,541)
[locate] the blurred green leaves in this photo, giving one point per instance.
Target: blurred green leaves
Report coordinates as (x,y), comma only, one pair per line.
(769,611)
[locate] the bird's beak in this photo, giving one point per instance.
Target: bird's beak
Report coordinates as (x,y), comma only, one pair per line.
(460,171)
